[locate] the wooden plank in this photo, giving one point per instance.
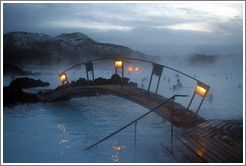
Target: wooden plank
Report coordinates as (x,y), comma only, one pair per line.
(196,150)
(227,147)
(199,131)
(221,125)
(226,153)
(216,140)
(229,125)
(222,143)
(211,154)
(182,153)
(235,125)
(203,125)
(220,146)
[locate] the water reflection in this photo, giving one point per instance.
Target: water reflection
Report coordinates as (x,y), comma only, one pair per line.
(202,148)
(62,128)
(115,157)
(79,120)
(62,141)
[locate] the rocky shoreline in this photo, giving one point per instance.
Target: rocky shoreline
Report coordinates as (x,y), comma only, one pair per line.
(14,94)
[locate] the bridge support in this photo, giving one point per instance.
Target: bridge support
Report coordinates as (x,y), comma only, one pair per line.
(156,70)
(172,124)
(201,90)
(135,136)
(122,74)
(120,64)
(89,67)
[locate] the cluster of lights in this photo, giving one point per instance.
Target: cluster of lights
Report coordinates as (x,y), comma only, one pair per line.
(133,69)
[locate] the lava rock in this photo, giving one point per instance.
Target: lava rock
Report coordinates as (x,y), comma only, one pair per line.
(115,79)
(132,84)
(27,83)
(12,96)
(102,81)
(81,82)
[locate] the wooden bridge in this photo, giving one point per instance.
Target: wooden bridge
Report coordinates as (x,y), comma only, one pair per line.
(181,116)
(203,140)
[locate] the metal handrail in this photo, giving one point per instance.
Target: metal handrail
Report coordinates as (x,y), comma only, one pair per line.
(134,121)
(93,60)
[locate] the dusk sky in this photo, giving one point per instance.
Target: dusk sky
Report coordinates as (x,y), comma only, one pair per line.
(174,28)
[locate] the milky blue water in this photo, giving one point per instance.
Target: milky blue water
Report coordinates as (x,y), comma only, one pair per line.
(58,132)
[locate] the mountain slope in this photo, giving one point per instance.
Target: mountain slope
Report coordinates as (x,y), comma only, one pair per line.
(32,48)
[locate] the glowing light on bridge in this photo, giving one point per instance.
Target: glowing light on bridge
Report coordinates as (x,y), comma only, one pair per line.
(118,64)
(133,69)
(63,77)
(201,89)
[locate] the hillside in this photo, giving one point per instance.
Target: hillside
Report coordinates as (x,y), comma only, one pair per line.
(24,48)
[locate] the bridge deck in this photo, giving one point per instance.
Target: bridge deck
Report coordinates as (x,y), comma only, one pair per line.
(219,141)
(150,100)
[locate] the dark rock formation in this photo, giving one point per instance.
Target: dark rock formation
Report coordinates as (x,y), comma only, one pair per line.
(81,82)
(12,96)
(102,81)
(27,83)
(115,79)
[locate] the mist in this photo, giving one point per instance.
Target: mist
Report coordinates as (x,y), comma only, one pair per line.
(45,50)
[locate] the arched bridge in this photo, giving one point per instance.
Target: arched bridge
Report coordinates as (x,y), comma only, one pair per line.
(206,140)
(182,116)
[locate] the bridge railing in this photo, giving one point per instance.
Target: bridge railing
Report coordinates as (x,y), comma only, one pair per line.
(201,88)
(136,120)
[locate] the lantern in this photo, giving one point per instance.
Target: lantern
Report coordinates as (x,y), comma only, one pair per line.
(201,89)
(118,64)
(63,77)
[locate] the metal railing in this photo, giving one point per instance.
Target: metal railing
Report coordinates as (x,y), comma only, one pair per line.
(135,121)
(155,71)
(113,58)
